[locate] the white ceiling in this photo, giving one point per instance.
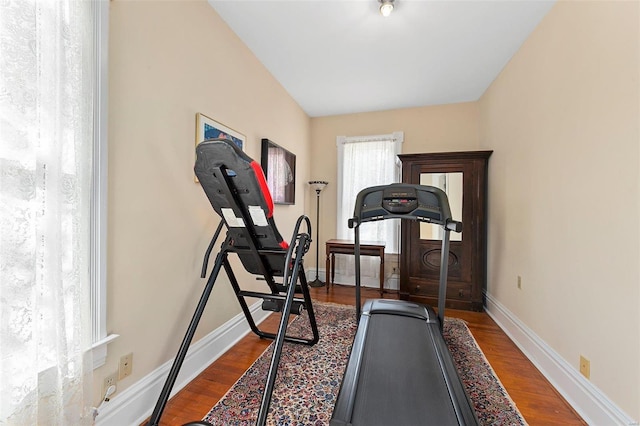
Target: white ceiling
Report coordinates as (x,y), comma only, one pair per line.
(342,56)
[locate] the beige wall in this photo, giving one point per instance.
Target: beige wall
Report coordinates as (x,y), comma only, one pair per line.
(168,61)
(427,129)
(563,121)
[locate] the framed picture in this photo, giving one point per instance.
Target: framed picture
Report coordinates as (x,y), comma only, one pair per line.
(208,128)
(279,166)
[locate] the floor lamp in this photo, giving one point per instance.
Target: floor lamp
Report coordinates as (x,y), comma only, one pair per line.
(318,186)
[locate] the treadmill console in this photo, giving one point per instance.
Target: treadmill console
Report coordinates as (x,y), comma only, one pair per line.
(402,201)
(399,199)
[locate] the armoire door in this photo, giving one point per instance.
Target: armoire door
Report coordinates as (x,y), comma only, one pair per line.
(462,175)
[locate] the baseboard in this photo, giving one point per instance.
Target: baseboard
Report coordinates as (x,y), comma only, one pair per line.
(391,283)
(311,274)
(594,406)
(136,403)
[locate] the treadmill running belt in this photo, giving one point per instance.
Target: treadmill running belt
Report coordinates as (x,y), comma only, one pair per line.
(400,385)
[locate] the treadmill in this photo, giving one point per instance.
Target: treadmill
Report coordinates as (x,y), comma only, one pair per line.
(400,371)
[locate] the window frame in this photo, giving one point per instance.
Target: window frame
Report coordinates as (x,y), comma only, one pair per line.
(98,227)
(396,137)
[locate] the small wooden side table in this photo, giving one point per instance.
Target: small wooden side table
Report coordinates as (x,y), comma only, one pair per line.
(371,248)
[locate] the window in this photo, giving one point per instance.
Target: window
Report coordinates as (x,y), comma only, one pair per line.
(52,123)
(366,161)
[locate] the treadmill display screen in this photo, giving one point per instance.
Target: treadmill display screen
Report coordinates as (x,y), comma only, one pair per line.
(399,200)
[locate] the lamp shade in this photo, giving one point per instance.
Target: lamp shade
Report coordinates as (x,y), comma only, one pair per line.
(318,185)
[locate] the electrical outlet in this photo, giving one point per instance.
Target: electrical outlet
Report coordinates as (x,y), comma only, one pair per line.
(585,367)
(519,282)
(126,366)
(110,380)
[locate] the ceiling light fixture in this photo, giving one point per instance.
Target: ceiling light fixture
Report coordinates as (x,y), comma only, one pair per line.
(386,7)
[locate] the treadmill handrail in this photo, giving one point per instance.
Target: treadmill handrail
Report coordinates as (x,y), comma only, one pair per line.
(404,201)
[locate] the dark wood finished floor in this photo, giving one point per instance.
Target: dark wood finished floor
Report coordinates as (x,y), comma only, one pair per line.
(536,399)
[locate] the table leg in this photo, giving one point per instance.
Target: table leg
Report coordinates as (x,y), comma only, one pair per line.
(381,274)
(327,272)
(333,267)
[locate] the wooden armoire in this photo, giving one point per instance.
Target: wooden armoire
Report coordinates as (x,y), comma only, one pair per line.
(463,175)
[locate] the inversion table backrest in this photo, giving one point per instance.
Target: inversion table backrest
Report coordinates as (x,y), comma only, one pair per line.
(236,188)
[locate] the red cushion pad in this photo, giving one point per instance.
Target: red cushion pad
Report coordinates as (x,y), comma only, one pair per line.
(262,181)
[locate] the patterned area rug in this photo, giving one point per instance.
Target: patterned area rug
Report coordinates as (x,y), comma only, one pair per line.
(309,377)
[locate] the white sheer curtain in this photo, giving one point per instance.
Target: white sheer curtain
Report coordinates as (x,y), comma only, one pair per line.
(46,136)
(363,162)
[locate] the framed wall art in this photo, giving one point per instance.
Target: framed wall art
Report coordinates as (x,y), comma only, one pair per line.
(208,128)
(279,166)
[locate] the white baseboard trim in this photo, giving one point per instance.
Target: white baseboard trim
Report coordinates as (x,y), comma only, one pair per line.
(391,283)
(311,274)
(593,405)
(136,403)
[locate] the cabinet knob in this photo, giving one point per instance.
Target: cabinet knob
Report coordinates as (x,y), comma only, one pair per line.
(461,293)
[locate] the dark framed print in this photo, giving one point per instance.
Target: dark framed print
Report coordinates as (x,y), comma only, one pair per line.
(279,166)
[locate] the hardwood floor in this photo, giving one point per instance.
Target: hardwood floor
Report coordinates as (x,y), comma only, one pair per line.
(537,400)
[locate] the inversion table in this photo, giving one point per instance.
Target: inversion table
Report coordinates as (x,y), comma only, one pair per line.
(237,190)
(400,371)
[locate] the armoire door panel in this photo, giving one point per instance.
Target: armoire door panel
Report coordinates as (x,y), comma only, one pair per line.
(421,247)
(425,261)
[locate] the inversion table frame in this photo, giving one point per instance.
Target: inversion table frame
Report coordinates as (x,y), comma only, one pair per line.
(400,371)
(238,192)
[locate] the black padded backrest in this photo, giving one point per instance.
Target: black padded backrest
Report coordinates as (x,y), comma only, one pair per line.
(237,189)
